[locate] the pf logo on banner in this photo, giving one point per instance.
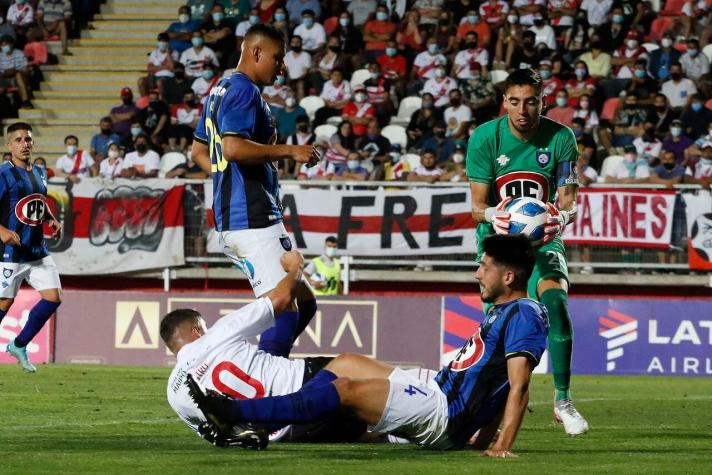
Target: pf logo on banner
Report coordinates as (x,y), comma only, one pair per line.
(619,329)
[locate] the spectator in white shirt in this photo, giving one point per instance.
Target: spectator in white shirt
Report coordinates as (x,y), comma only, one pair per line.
(440,86)
(76,164)
(277,93)
(544,33)
(298,63)
(462,67)
(195,58)
(632,169)
(678,89)
(241,29)
(111,166)
(428,171)
(143,163)
(526,10)
(457,116)
(184,119)
(696,66)
(596,11)
(336,94)
(312,33)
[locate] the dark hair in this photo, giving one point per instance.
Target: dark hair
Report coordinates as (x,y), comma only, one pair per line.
(144,136)
(307,11)
(18,126)
(301,119)
(579,121)
(162,36)
(524,77)
(68,137)
(7,39)
(331,239)
(266,30)
(106,119)
(174,319)
(513,251)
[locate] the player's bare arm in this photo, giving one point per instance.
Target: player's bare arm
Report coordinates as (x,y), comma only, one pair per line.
(519,374)
(200,154)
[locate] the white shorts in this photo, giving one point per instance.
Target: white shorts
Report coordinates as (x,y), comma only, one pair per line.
(41,275)
(257,252)
(416,409)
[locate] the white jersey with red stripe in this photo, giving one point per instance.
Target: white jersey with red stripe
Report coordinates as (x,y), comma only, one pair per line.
(223,360)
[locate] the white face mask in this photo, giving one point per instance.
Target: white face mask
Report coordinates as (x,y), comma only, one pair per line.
(71,150)
(439,73)
(629,157)
(632,44)
(512,19)
(666,42)
(183,18)
(458,158)
(290,102)
(360,97)
(330,251)
(113,153)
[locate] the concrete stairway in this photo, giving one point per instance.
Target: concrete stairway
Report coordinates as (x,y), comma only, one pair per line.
(84,87)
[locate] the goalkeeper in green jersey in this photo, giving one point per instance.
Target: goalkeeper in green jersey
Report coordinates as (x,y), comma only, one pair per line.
(523,154)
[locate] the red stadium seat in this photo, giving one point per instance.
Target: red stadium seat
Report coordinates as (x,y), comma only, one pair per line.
(708,104)
(609,108)
(330,25)
(659,27)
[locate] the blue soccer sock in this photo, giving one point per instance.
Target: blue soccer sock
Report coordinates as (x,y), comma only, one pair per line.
(278,340)
(39,315)
(322,377)
(309,404)
(307,310)
(2,314)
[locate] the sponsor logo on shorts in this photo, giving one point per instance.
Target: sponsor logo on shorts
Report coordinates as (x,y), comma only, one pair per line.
(286,243)
(5,285)
(246,267)
(6,272)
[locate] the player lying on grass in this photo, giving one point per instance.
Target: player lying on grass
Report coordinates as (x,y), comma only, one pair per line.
(222,359)
(484,386)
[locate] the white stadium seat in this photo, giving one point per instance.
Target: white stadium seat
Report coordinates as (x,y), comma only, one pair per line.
(650,47)
(406,108)
(311,104)
(359,77)
(169,161)
(498,75)
(325,131)
(608,164)
(413,160)
(707,51)
(396,134)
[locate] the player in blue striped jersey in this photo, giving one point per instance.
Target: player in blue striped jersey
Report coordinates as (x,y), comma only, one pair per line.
(484,388)
(235,142)
(23,211)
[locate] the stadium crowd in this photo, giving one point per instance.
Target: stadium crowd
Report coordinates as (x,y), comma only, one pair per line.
(391,90)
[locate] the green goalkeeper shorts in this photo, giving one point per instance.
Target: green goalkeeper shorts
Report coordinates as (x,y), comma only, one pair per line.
(550,259)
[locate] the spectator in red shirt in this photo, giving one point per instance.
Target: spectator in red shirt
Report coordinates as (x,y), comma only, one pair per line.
(376,33)
(551,83)
(378,90)
(394,67)
(561,112)
(494,13)
(184,119)
(475,23)
(411,37)
(359,111)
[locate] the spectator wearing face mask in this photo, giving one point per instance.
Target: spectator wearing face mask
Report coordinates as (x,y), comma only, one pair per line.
(161,63)
(41,163)
(523,54)
(425,65)
(463,65)
(394,66)
(632,169)
(266,9)
(585,143)
(336,94)
(143,163)
(298,63)
(544,34)
(277,93)
(181,31)
(21,17)
(440,87)
(122,115)
(286,117)
(100,142)
(457,116)
(184,119)
(641,83)
(359,111)
(332,59)
(561,13)
(454,169)
(649,146)
(377,32)
(205,82)
(236,10)
(324,272)
(76,164)
(668,172)
(378,90)
(527,9)
(218,33)
(422,122)
(584,111)
(155,118)
(662,58)
(580,82)
(699,172)
(439,143)
(677,141)
(111,165)
(478,93)
(550,83)
(428,171)
(197,57)
(696,118)
(311,32)
(696,66)
(251,19)
(678,89)
(562,112)
(354,170)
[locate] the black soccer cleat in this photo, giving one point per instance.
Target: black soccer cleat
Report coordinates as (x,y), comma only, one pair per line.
(240,436)
(214,406)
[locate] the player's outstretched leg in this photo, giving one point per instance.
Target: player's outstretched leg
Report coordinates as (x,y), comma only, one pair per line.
(39,315)
(560,349)
(20,353)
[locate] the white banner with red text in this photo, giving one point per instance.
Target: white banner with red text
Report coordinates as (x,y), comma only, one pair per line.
(113,226)
(429,221)
(616,217)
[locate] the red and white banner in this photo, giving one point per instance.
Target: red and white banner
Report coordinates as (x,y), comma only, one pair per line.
(112,226)
(38,349)
(611,216)
(699,229)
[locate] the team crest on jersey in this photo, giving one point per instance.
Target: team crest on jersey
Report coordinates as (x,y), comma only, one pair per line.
(6,272)
(543,157)
(286,243)
(30,210)
(470,354)
(503,160)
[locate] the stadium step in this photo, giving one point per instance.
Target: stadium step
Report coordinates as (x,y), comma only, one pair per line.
(166,10)
(119,36)
(134,61)
(75,104)
(71,94)
(95,67)
(91,115)
(82,77)
(121,26)
(138,16)
(81,88)
(111,50)
(103,42)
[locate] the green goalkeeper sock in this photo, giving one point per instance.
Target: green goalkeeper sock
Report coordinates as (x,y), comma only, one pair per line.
(560,340)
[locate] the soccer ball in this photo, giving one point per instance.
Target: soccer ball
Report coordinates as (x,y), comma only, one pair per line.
(527,216)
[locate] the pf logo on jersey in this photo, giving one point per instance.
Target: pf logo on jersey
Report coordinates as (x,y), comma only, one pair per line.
(470,354)
(30,210)
(522,185)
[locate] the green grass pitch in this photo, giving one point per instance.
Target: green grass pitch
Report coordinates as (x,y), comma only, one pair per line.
(96,419)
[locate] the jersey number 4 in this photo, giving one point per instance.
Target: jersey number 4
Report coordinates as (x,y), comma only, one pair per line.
(412,390)
(224,376)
